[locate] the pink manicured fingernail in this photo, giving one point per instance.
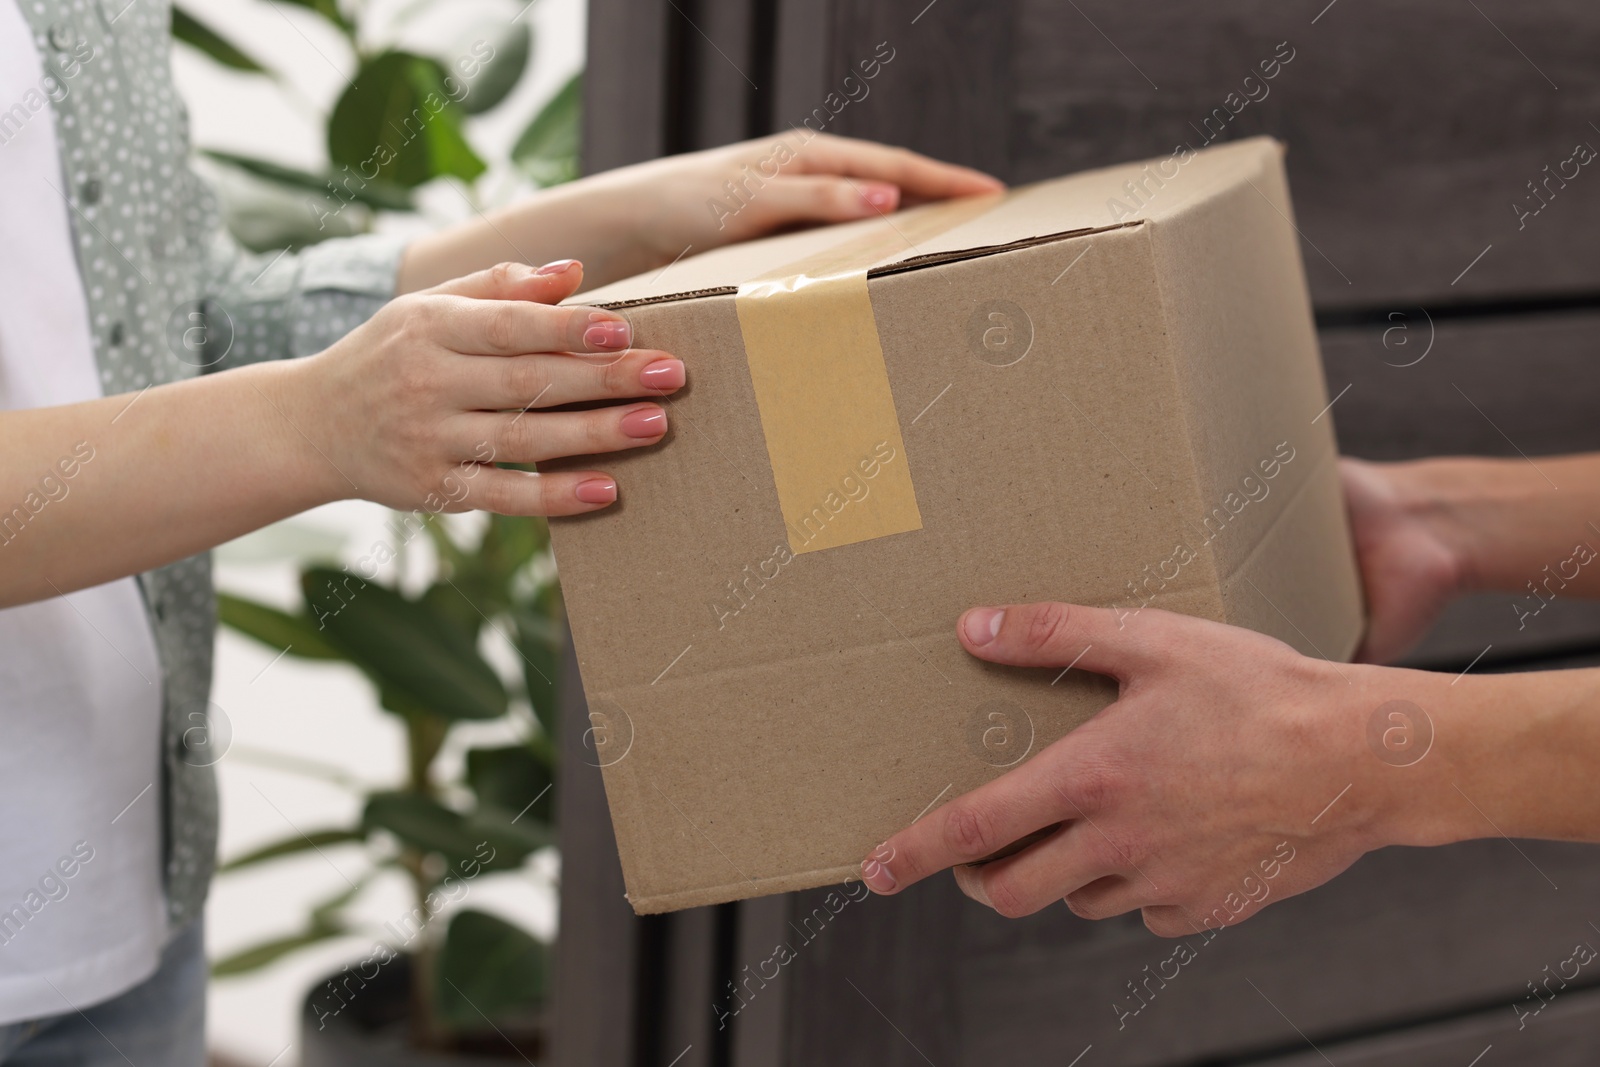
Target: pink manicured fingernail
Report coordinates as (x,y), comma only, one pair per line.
(983,624)
(560,266)
(596,491)
(607,335)
(645,422)
(876,873)
(881,197)
(663,374)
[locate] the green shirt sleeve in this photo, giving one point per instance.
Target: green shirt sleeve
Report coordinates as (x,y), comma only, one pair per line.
(288,304)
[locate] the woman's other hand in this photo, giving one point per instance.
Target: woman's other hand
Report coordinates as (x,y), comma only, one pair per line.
(640,218)
(724,195)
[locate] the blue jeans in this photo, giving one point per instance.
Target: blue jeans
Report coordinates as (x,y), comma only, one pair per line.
(159,1023)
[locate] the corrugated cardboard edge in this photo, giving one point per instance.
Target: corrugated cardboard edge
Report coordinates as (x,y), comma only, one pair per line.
(932,259)
(740,890)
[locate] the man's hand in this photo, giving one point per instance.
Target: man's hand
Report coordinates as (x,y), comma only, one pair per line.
(1410,565)
(1231,772)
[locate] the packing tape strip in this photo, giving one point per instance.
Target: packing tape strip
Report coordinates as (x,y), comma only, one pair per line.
(822,389)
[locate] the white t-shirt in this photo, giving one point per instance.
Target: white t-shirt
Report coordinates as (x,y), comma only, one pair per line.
(81,909)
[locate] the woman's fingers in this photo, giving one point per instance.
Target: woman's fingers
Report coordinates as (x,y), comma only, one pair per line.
(821,198)
(477,327)
(532,437)
(512,492)
(547,381)
(917,176)
(838,180)
(527,437)
(510,310)
(547,284)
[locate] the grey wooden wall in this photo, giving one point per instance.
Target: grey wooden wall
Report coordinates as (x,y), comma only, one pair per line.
(1413,126)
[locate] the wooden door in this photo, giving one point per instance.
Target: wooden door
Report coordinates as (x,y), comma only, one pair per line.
(1457,288)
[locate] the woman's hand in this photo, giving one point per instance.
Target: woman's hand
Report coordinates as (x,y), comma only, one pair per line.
(414,408)
(1411,565)
(633,219)
(705,199)
(1231,772)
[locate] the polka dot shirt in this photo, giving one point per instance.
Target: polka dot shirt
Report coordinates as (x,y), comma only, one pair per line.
(170,295)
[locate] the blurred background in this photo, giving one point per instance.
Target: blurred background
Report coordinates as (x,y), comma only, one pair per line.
(1450,323)
(269,86)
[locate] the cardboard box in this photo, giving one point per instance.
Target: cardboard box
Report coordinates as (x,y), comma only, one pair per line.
(1103,390)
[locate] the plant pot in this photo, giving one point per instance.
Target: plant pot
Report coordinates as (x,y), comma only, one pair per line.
(373,1026)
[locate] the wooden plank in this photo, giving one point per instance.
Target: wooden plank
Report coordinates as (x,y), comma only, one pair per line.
(689,985)
(722,69)
(1404,935)
(1566,1033)
(1488,624)
(1499,386)
(759,1025)
(952,58)
(600,951)
(878,982)
(1391,213)
(799,63)
(1413,125)
(626,102)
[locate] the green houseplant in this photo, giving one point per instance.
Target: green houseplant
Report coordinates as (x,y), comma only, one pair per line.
(401,122)
(404,121)
(422,654)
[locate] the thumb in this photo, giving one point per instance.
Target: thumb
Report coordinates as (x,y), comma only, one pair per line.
(549,284)
(1057,635)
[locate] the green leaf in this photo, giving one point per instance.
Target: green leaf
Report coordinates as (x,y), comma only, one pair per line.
(512,839)
(289,846)
(438,532)
(418,821)
(326,914)
(276,629)
(548,149)
(191,31)
(513,781)
(328,9)
(397,122)
(542,617)
(509,543)
(452,156)
(409,650)
(488,965)
(325,921)
(425,824)
(540,652)
(259,955)
(500,74)
(375,194)
(451,603)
